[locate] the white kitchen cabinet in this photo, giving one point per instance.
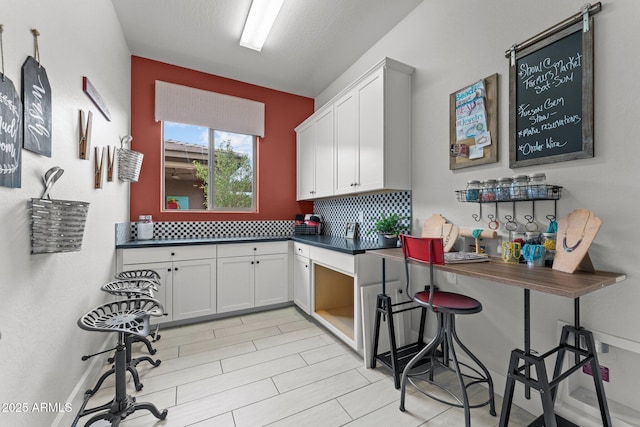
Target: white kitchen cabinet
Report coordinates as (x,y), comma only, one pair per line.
(371,131)
(188,278)
(302,283)
(315,149)
(252,275)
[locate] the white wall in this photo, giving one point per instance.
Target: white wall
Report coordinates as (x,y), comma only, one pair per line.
(42,296)
(457,42)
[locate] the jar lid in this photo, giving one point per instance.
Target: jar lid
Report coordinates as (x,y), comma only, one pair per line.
(473,181)
(537,175)
(520,178)
(491,181)
(505,179)
(144,218)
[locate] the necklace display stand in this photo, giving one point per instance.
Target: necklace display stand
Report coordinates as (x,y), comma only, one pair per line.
(576,232)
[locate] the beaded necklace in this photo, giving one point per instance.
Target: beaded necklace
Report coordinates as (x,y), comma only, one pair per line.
(564,238)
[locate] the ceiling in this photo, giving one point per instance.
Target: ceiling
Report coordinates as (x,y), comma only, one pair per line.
(312,41)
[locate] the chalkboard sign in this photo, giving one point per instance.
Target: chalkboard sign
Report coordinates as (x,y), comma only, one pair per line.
(10,134)
(551,99)
(36,98)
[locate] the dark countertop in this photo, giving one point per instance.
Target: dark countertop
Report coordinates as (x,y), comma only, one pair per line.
(334,243)
(137,244)
(340,244)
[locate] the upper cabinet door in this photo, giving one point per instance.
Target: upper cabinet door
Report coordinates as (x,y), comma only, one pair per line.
(324,150)
(305,163)
(371,133)
(346,115)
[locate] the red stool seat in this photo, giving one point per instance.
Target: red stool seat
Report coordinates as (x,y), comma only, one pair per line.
(449,302)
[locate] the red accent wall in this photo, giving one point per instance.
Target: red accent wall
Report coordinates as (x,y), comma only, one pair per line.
(276,155)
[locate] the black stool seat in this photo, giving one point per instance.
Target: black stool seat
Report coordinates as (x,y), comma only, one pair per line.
(449,302)
(139,274)
(129,316)
(126,317)
(131,287)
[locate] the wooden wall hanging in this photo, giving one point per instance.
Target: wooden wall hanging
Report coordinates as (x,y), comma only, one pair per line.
(11,135)
(473,124)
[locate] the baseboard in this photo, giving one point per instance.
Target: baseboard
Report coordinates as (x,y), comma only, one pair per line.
(86,382)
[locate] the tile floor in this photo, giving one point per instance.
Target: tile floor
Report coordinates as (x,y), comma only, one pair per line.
(277,368)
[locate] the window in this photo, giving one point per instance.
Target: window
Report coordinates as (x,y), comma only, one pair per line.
(208,169)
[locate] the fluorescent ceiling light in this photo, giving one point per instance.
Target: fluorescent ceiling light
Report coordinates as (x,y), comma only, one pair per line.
(261,17)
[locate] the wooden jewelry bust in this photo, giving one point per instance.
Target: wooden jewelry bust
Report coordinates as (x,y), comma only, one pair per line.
(576,232)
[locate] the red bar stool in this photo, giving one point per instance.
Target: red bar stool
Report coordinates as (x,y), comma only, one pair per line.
(446,305)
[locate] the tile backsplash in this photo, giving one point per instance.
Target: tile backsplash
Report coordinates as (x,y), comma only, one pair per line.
(336,213)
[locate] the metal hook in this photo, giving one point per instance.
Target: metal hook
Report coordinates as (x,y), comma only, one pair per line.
(476,217)
(551,217)
(493,223)
(510,225)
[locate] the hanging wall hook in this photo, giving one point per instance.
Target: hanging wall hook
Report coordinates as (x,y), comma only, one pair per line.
(98,168)
(111,160)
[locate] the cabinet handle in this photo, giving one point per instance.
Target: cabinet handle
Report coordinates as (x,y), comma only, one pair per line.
(251,262)
(173,254)
(176,269)
(257,262)
(306,266)
(168,269)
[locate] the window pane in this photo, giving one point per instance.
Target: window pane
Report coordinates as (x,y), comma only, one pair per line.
(233,170)
(189,163)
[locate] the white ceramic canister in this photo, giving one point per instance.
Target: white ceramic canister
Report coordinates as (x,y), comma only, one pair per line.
(145,227)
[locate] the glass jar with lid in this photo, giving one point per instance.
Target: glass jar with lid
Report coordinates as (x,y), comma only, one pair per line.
(488,191)
(472,193)
(519,187)
(145,227)
(503,189)
(537,187)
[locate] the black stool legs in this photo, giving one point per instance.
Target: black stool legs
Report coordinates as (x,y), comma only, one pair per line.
(122,405)
(548,388)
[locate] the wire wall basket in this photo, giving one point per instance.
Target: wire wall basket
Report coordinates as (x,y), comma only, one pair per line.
(129,164)
(56,225)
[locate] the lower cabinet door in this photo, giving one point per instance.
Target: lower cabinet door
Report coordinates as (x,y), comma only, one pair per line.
(271,285)
(194,288)
(235,283)
(302,283)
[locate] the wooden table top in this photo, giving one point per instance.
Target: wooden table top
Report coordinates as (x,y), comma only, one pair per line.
(541,279)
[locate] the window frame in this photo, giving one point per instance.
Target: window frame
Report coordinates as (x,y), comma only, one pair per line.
(211,156)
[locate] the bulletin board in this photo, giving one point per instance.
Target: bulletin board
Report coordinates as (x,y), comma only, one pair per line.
(473,124)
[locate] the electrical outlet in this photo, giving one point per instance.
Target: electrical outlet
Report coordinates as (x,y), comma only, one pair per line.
(603,370)
(361,217)
(451,277)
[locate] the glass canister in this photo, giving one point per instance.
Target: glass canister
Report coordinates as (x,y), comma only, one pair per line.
(472,193)
(503,189)
(537,186)
(519,187)
(145,227)
(488,191)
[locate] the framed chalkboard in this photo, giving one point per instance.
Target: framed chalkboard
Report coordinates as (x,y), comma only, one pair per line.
(551,98)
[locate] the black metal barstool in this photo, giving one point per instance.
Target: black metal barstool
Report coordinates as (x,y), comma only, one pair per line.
(446,305)
(144,274)
(138,288)
(125,317)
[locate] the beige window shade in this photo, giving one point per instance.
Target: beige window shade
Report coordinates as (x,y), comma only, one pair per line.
(183,104)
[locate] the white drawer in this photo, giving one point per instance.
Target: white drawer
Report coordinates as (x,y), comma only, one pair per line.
(246,249)
(336,260)
(301,249)
(167,253)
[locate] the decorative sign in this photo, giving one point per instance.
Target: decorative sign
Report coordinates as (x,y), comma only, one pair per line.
(36,98)
(10,134)
(551,99)
(93,94)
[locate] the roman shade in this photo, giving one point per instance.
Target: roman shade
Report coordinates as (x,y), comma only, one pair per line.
(183,104)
